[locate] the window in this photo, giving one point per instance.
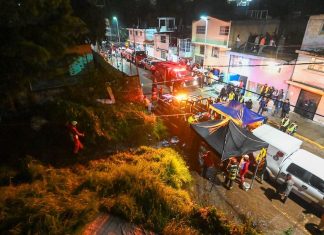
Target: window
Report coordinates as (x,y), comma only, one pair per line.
(130,32)
(317,183)
(163,39)
(136,33)
(200,29)
(317,67)
(185,45)
(224,30)
(215,52)
(141,33)
(202,50)
(297,171)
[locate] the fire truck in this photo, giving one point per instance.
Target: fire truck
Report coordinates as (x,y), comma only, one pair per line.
(135,57)
(173,74)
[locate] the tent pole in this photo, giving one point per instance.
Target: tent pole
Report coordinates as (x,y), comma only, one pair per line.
(225,140)
(255,172)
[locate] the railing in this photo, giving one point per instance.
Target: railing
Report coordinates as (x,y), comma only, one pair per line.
(278,52)
(210,41)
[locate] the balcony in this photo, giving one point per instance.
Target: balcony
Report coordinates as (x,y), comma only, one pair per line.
(213,42)
(276,52)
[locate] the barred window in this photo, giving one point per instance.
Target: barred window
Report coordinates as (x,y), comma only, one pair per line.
(224,30)
(200,29)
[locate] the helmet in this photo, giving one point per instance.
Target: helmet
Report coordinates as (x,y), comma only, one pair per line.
(74,123)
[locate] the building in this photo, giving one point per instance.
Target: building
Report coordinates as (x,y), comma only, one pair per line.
(141,38)
(170,43)
(220,36)
(306,87)
(211,42)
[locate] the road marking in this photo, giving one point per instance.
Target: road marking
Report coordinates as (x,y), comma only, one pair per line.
(302,137)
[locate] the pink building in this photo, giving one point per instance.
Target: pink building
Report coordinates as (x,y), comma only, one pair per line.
(141,38)
(306,88)
(256,71)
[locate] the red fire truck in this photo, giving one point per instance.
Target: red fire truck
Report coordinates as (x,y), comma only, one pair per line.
(173,74)
(135,57)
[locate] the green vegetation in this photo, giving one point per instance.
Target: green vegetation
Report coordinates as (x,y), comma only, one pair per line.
(146,187)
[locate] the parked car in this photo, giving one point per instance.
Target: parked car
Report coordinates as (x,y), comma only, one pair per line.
(150,65)
(284,156)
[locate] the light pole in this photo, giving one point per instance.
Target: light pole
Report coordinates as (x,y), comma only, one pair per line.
(115,18)
(205,18)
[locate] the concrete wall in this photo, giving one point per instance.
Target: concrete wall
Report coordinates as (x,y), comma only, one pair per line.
(213,29)
(245,27)
(307,76)
(314,36)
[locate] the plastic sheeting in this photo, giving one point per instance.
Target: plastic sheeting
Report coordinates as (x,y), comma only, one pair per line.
(238,112)
(238,141)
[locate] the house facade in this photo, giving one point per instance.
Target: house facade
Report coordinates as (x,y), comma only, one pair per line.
(306,87)
(169,42)
(210,40)
(141,38)
(220,37)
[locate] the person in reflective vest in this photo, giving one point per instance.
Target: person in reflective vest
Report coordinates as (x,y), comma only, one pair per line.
(232,171)
(231,96)
(292,128)
(284,124)
(192,119)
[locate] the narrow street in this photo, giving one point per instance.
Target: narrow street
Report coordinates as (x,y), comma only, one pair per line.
(273,217)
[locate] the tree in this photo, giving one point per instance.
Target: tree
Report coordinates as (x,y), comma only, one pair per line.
(34,35)
(93,17)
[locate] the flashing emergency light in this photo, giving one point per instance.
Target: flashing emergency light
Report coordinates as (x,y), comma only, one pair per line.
(180,97)
(179,70)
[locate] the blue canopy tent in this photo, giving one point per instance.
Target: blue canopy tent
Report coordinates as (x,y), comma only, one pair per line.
(238,112)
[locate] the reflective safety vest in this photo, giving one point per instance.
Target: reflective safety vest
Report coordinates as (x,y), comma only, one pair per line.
(261,155)
(285,122)
(292,127)
(232,171)
(231,96)
(192,119)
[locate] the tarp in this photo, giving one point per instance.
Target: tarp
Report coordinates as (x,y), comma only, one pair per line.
(238,140)
(238,111)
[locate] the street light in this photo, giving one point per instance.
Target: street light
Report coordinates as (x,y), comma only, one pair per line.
(115,18)
(205,18)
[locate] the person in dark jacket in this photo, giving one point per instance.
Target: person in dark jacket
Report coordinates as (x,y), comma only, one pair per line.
(285,108)
(249,104)
(262,106)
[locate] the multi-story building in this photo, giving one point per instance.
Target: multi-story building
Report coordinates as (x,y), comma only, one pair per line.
(306,87)
(213,37)
(141,38)
(169,42)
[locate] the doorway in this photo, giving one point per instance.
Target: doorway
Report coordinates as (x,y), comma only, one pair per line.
(307,103)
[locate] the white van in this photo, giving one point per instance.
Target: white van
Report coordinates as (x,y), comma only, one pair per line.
(284,156)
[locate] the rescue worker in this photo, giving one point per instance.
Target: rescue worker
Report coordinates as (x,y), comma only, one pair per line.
(231,96)
(284,123)
(292,128)
(232,170)
(75,134)
(192,119)
(207,163)
(244,168)
(264,90)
